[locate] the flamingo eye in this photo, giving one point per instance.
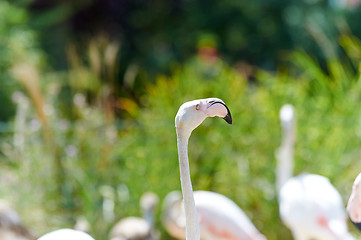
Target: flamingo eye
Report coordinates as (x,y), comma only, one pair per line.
(197,107)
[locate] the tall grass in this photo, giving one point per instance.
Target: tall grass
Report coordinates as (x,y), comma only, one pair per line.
(107,159)
(238,160)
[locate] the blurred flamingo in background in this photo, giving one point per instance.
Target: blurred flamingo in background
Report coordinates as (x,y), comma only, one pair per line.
(11,227)
(135,228)
(309,205)
(354,203)
(217,214)
(66,234)
(219,217)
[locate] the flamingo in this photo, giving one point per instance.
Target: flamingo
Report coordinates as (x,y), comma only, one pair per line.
(11,227)
(354,203)
(219,217)
(132,228)
(190,115)
(66,234)
(309,205)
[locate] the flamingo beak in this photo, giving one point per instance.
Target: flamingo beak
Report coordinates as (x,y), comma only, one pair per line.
(227,117)
(357,225)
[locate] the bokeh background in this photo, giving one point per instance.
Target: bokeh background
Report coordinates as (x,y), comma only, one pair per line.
(89,90)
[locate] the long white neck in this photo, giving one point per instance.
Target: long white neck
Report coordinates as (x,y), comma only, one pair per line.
(192,225)
(285,157)
(149,217)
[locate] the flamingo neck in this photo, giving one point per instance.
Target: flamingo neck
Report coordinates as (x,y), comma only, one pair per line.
(192,225)
(148,217)
(285,159)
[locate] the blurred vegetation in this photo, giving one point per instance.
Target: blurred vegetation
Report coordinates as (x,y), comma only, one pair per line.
(90,119)
(157,34)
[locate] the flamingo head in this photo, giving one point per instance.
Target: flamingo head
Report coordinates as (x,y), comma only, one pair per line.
(287,116)
(354,203)
(149,201)
(191,114)
(288,123)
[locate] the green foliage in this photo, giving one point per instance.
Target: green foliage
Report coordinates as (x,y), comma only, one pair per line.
(66,157)
(70,151)
(157,34)
(238,160)
(17,44)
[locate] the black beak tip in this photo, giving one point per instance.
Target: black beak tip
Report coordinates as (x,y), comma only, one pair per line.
(357,225)
(228,118)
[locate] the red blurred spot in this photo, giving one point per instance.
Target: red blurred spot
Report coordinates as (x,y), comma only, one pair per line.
(221,233)
(322,221)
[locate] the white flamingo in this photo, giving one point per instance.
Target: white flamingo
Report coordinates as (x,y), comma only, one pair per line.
(190,115)
(309,205)
(354,203)
(66,234)
(219,217)
(11,227)
(135,228)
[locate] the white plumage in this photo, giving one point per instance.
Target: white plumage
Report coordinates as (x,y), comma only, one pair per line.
(131,228)
(219,217)
(135,228)
(309,205)
(189,116)
(354,203)
(207,215)
(66,234)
